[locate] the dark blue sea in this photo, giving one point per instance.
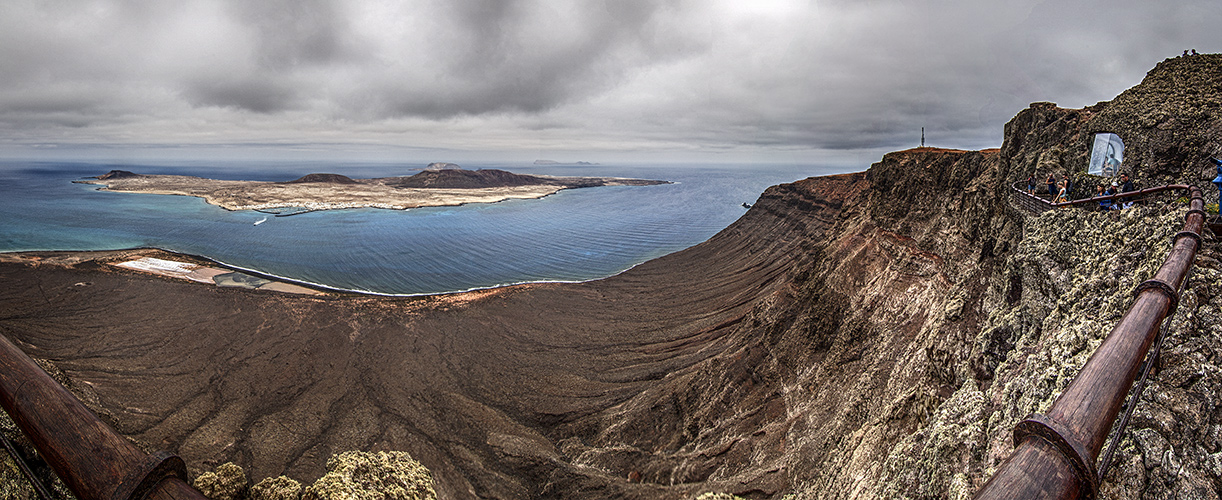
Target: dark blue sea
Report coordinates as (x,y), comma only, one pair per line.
(574,235)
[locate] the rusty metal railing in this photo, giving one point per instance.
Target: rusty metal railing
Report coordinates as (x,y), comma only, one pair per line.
(40,489)
(1036,204)
(94,461)
(1055,453)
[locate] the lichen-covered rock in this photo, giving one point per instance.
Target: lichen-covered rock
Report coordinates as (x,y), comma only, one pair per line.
(275,488)
(718,496)
(389,475)
(13,483)
(227,482)
(1080,269)
(1078,272)
(933,461)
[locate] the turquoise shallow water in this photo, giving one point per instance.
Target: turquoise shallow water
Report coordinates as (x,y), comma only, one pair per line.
(574,235)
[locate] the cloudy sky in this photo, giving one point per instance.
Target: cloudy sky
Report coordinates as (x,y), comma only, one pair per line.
(597,80)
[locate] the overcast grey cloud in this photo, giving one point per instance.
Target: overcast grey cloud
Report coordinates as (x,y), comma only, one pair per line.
(774,80)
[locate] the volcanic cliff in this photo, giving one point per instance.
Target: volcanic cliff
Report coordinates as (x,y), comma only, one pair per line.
(872,335)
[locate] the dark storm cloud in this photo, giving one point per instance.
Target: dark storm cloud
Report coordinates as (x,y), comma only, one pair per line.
(492,56)
(283,39)
(687,75)
(289,33)
(257,95)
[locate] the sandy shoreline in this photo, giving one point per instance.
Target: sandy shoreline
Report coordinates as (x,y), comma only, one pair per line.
(166,264)
(174,266)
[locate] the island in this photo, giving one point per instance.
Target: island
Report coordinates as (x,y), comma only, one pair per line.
(446,186)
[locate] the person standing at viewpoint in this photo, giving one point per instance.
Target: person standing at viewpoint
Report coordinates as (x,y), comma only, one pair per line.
(1126,186)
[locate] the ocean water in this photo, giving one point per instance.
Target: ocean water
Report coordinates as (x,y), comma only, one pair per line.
(574,235)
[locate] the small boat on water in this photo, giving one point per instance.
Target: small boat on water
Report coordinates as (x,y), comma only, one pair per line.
(260,221)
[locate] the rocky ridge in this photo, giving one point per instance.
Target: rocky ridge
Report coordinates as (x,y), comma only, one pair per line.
(1042,293)
(941,316)
(323,178)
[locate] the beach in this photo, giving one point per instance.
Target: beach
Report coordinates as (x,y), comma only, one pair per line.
(167,265)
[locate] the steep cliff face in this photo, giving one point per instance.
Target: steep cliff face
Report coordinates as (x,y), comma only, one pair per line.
(1038,297)
(861,340)
(933,317)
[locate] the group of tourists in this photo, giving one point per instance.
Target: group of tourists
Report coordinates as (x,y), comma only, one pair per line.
(1124,185)
(1062,191)
(1058,191)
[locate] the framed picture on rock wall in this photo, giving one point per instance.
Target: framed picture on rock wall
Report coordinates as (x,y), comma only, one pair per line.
(1106,155)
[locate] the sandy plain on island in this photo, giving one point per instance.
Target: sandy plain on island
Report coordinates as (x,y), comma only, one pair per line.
(339,192)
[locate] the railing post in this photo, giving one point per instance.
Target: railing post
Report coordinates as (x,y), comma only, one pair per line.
(93,461)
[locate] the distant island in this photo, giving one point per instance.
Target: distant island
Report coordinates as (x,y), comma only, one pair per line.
(554,162)
(441,184)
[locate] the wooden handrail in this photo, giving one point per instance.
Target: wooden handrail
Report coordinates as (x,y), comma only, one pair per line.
(94,461)
(1055,453)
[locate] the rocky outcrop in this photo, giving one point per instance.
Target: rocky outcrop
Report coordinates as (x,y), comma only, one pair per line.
(1052,295)
(227,482)
(276,488)
(117,174)
(1077,272)
(373,476)
(466,179)
(323,178)
(1169,123)
(352,475)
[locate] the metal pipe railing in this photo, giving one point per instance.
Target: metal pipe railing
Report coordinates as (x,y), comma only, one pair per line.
(1096,199)
(1055,453)
(39,488)
(94,461)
